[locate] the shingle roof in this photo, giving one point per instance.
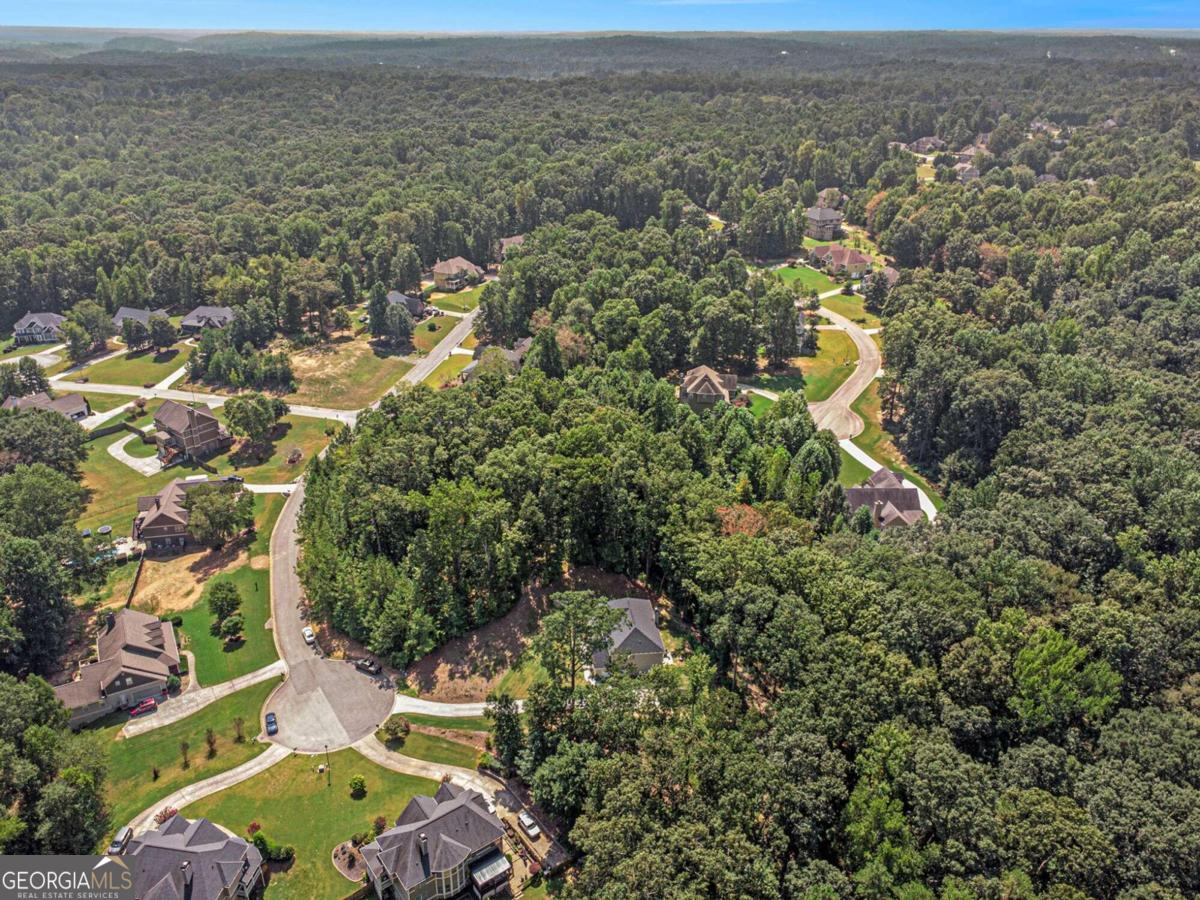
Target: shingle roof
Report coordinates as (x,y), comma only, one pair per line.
(215,861)
(515,241)
(889,500)
(45,319)
(69,405)
(208,317)
(637,632)
(178,417)
(132,643)
(140,315)
(705,382)
(455,823)
(454,265)
(823,214)
(415,305)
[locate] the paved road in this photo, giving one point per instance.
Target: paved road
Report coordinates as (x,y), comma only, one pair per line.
(835,413)
(442,351)
(183,705)
(324,702)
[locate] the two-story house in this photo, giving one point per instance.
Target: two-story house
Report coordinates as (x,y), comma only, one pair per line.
(442,846)
(38,328)
(162,519)
(135,655)
(454,273)
(184,431)
(822,223)
(702,388)
(193,860)
(74,406)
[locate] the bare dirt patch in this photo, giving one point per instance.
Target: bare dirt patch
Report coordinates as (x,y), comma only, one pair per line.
(173,584)
(467,668)
(477,739)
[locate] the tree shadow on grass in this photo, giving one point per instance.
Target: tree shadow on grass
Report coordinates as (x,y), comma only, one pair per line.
(254,453)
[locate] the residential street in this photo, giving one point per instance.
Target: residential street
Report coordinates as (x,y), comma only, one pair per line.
(442,351)
(323,702)
(835,413)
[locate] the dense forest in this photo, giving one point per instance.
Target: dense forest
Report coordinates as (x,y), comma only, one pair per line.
(1002,704)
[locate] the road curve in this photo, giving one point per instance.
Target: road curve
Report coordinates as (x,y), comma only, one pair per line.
(835,413)
(323,703)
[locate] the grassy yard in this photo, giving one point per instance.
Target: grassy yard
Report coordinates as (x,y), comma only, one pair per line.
(434,749)
(130,786)
(294,805)
(9,350)
(137,368)
(470,342)
(852,472)
(448,370)
(820,375)
(878,443)
(808,279)
(271,466)
(104,402)
(518,680)
(760,404)
(453,723)
(463,301)
(851,306)
(429,333)
(348,373)
(217,661)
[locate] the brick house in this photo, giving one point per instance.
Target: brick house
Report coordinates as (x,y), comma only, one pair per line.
(187,432)
(161,522)
(822,223)
(703,388)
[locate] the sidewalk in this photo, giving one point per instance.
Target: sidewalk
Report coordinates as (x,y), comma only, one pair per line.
(274,753)
(372,749)
(183,705)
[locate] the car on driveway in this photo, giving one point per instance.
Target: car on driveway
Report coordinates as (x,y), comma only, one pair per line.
(368,665)
(148,705)
(310,637)
(528,825)
(272,724)
(120,841)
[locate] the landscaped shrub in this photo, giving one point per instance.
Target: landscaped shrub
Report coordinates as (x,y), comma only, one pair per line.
(396,729)
(164,814)
(253,828)
(271,851)
(173,683)
(380,825)
(358,786)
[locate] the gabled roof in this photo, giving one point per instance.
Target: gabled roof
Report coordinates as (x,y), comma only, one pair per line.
(889,500)
(455,823)
(415,305)
(840,256)
(44,319)
(191,860)
(636,632)
(703,381)
(132,643)
(179,417)
(140,315)
(515,240)
(823,214)
(454,265)
(69,405)
(208,317)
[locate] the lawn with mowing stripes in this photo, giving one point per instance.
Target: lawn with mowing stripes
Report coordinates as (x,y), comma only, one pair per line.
(137,367)
(434,749)
(453,723)
(314,812)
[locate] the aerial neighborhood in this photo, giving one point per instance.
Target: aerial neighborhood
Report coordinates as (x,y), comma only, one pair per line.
(601,465)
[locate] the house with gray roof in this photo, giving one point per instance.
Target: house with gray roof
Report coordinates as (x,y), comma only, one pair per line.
(414,305)
(135,656)
(138,315)
(162,519)
(453,274)
(703,388)
(442,846)
(636,637)
(890,501)
(822,223)
(74,406)
(203,317)
(38,328)
(193,860)
(183,431)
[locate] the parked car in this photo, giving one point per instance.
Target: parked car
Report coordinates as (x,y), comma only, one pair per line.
(146,706)
(368,665)
(310,637)
(236,479)
(272,724)
(120,841)
(528,825)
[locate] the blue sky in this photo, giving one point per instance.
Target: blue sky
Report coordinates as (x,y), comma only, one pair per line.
(591,15)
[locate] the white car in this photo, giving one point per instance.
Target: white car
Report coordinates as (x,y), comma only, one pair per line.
(528,825)
(309,636)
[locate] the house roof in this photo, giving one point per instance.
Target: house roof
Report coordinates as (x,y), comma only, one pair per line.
(454,265)
(191,860)
(179,417)
(455,824)
(168,508)
(889,500)
(705,382)
(132,312)
(840,256)
(44,319)
(131,643)
(515,356)
(208,317)
(69,405)
(515,240)
(636,632)
(823,214)
(414,304)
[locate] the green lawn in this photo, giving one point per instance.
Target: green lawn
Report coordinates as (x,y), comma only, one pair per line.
(851,306)
(818,376)
(270,466)
(217,661)
(878,443)
(348,373)
(760,404)
(453,723)
(104,402)
(137,368)
(130,786)
(294,805)
(434,749)
(463,301)
(429,333)
(808,279)
(141,449)
(10,351)
(449,370)
(542,889)
(852,471)
(518,680)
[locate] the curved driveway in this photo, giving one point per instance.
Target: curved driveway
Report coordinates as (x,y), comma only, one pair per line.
(835,413)
(324,702)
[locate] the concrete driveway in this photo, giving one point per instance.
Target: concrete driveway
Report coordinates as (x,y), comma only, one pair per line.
(324,702)
(835,413)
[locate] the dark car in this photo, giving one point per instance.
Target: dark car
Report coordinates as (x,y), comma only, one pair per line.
(272,724)
(369,666)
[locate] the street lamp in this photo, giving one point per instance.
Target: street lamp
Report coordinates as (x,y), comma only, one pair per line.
(328,773)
